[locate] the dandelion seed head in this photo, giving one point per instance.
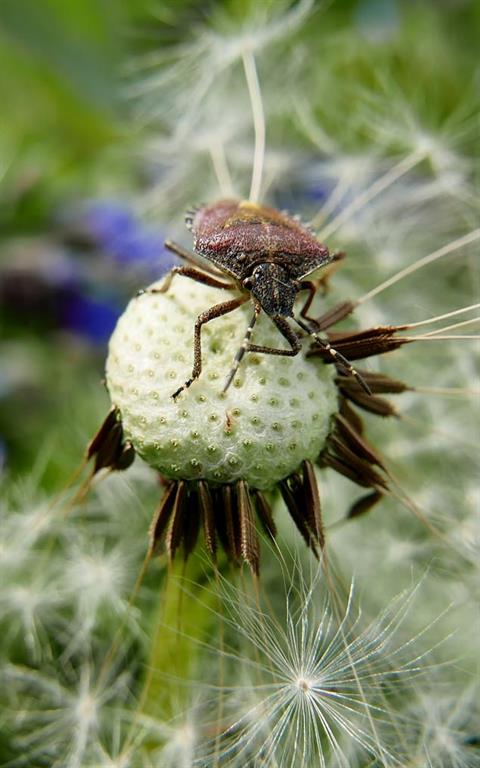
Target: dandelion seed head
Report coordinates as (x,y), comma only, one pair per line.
(180,748)
(229,436)
(178,739)
(22,531)
(304,685)
(445,724)
(96,585)
(316,691)
(85,707)
(62,711)
(101,575)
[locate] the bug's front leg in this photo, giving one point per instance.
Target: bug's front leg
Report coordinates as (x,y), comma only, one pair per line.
(193,274)
(311,287)
(336,356)
(192,258)
(331,317)
(210,314)
(287,332)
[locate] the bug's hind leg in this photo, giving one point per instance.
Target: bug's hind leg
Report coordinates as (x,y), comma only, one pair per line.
(336,356)
(308,285)
(333,316)
(244,348)
(210,314)
(284,328)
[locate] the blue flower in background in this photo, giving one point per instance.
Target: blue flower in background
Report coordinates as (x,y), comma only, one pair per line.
(107,253)
(106,221)
(111,227)
(92,317)
(79,277)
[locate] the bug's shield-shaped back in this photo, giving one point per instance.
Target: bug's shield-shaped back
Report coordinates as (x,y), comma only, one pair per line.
(237,235)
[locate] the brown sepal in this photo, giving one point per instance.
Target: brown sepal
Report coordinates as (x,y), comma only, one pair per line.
(361,344)
(176,529)
(371,403)
(365,504)
(191,522)
(292,489)
(356,442)
(126,457)
(162,516)
(351,416)
(224,521)
(108,447)
(312,503)
(98,440)
(378,383)
(287,489)
(362,469)
(249,546)
(208,516)
(334,315)
(264,513)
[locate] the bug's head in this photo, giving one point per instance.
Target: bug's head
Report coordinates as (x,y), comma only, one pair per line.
(274,289)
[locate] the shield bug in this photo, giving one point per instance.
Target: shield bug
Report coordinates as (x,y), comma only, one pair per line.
(267,256)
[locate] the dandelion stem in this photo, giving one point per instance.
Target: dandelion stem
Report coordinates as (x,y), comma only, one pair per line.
(448,391)
(380,185)
(446,337)
(430,320)
(331,203)
(451,327)
(220,166)
(455,245)
(258,123)
(221,672)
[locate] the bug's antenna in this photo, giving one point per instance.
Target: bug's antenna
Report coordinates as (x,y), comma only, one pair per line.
(258,115)
(336,356)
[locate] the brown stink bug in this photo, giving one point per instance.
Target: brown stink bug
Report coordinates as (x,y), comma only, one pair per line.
(268,255)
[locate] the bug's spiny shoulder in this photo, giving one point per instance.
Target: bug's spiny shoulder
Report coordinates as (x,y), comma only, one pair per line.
(237,234)
(229,214)
(209,219)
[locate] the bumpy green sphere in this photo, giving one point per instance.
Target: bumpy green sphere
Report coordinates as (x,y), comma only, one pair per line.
(276,413)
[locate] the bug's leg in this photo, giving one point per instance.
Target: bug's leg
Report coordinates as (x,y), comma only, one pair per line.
(337,357)
(284,328)
(307,285)
(333,316)
(191,257)
(244,348)
(180,251)
(193,274)
(288,333)
(210,314)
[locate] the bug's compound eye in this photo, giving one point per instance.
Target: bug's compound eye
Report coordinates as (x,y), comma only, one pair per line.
(248,283)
